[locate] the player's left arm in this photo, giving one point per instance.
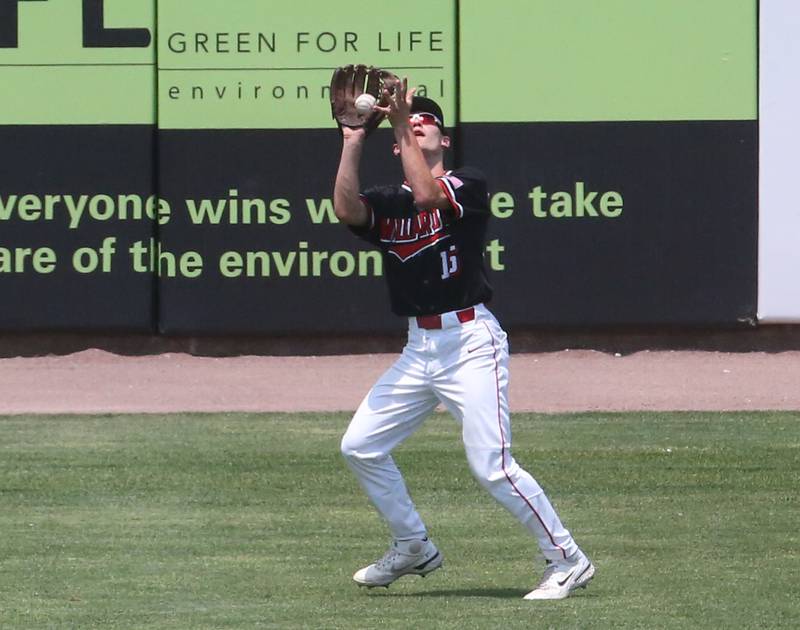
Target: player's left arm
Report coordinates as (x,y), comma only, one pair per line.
(427,192)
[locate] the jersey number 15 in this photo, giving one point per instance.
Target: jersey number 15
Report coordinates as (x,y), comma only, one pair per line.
(450,263)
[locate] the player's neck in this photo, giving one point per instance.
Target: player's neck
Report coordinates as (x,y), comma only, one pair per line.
(435,162)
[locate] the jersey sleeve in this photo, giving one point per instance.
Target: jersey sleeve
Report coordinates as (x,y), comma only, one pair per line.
(465,189)
(375,201)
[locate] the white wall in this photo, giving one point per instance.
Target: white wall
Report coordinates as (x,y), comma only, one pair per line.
(779,179)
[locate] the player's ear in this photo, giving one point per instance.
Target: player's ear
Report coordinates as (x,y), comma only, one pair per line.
(446,142)
(395,150)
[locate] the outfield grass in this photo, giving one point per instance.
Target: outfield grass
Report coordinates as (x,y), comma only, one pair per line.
(253,521)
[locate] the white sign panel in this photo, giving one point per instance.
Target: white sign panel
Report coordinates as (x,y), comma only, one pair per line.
(779,130)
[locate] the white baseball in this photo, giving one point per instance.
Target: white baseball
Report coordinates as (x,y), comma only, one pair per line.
(365,103)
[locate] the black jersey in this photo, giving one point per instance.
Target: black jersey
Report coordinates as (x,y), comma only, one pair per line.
(433,258)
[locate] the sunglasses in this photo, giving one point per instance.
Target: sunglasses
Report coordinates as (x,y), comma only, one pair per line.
(425,118)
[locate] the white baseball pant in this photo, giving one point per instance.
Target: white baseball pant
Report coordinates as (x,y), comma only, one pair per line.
(465,367)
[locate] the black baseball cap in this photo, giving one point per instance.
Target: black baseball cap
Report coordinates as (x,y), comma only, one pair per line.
(424,105)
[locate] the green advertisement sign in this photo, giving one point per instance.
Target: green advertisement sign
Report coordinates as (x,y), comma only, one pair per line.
(255,64)
(68,62)
(264,64)
(609,60)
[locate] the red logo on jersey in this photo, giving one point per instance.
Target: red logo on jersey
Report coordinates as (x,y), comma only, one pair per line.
(407,237)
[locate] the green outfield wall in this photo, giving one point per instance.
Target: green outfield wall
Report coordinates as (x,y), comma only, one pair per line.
(169,165)
(609,60)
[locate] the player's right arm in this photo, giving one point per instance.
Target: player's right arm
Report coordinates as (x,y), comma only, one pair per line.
(347,202)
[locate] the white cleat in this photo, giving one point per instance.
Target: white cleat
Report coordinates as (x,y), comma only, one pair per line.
(561,577)
(406,557)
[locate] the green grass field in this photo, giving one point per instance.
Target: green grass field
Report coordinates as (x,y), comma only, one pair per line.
(254,521)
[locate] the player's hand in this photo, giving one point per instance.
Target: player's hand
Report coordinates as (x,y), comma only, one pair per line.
(398,103)
(354,134)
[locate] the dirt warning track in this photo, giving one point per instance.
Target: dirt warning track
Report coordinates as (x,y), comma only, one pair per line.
(95,381)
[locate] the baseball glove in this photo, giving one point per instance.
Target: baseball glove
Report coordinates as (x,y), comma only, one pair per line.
(350,82)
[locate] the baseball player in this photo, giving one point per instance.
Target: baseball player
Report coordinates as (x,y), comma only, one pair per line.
(431,231)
